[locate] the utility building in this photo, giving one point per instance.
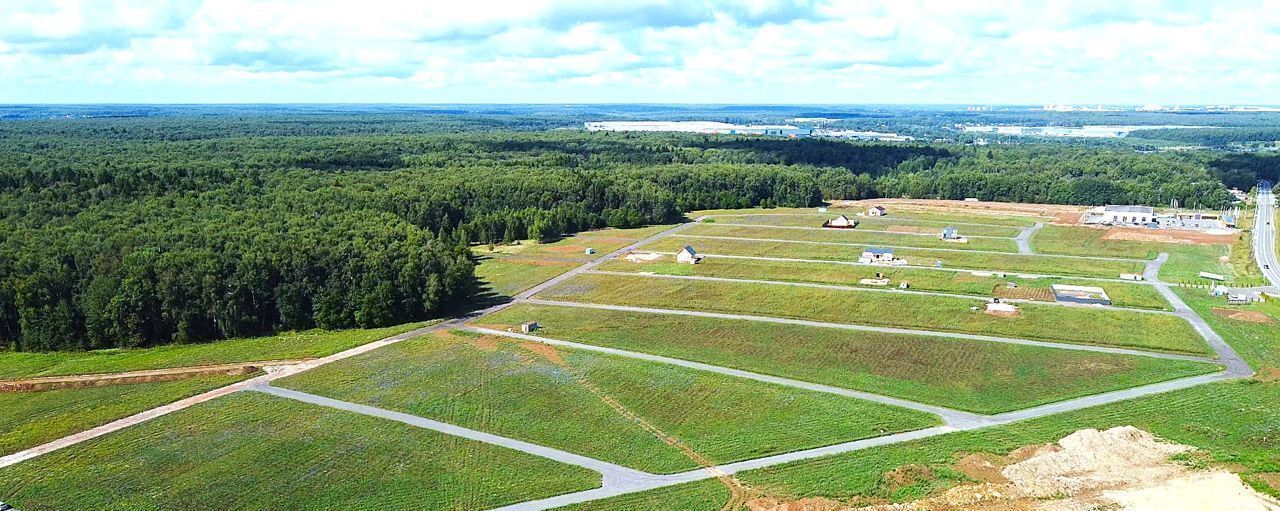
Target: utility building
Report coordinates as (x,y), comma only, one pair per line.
(688,255)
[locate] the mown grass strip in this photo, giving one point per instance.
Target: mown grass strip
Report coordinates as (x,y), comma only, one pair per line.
(851,236)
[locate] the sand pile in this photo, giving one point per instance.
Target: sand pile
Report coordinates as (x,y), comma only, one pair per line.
(1122,468)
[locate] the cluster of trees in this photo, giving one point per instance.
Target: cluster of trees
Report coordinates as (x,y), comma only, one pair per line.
(139,232)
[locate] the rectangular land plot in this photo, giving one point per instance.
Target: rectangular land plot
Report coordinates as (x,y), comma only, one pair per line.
(258,452)
(977,376)
(508,270)
(1185,262)
(920,279)
(566,399)
(868,223)
(28,419)
(1012,220)
(285,346)
(1012,263)
(850,236)
(936,313)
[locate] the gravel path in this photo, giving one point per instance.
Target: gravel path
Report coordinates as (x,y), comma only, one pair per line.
(1024,238)
(840,244)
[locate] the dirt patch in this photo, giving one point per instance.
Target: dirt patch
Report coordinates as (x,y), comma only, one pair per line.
(1120,468)
(1040,294)
(642,257)
(1168,236)
(982,467)
(809,504)
(1046,210)
(1271,478)
(906,475)
(1244,315)
(1268,374)
(486,343)
(563,249)
(546,351)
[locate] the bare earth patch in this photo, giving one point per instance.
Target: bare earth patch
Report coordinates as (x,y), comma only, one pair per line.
(1122,468)
(1068,214)
(643,257)
(1168,236)
(1244,315)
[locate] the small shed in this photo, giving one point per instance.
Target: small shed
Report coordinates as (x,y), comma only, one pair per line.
(1237,299)
(688,255)
(1131,276)
(589,251)
(950,233)
(876,211)
(842,222)
(528,327)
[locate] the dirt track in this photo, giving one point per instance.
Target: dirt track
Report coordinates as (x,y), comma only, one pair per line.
(148,376)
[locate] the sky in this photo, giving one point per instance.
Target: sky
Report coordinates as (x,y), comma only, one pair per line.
(640,51)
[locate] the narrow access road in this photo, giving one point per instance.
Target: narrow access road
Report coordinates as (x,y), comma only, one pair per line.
(1024,238)
(887,289)
(840,244)
(1236,365)
(878,329)
(614,476)
(290,370)
(1264,235)
(950,416)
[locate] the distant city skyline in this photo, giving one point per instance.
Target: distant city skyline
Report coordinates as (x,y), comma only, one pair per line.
(642,51)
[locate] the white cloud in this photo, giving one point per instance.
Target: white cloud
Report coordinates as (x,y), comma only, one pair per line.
(643,50)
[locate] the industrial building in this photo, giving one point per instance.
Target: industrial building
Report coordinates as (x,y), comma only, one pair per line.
(709,127)
(1088,295)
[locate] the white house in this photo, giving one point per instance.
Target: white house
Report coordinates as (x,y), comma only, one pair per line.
(875,255)
(688,255)
(842,222)
(950,233)
(876,211)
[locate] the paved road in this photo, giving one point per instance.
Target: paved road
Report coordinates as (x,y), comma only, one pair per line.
(804,228)
(1264,235)
(867,328)
(1236,366)
(839,244)
(887,289)
(1024,238)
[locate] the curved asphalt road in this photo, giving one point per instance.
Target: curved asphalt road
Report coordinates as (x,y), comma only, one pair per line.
(1024,238)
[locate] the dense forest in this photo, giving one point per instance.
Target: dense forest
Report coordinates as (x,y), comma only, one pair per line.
(146,231)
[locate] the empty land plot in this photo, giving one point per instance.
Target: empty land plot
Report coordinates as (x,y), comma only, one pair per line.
(285,346)
(1186,260)
(937,313)
(870,223)
(1232,424)
(977,376)
(975,218)
(260,452)
(1012,263)
(28,419)
(850,236)
(553,397)
(920,279)
(508,270)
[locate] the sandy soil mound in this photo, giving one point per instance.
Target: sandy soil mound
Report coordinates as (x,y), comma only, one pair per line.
(1122,468)
(642,257)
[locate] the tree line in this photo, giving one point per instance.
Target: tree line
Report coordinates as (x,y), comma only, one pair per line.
(112,235)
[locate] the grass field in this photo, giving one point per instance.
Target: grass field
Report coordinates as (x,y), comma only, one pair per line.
(920,279)
(28,419)
(1012,263)
(977,376)
(1011,220)
(1255,336)
(509,269)
(1234,423)
(1185,263)
(524,390)
(865,223)
(286,346)
(257,452)
(850,236)
(944,314)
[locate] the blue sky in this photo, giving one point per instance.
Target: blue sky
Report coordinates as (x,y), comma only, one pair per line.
(651,51)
